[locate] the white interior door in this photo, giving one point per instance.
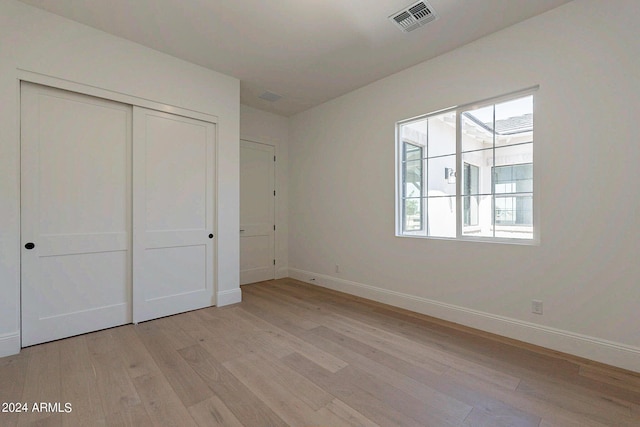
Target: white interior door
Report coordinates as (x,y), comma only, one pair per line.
(257,216)
(173,214)
(75,213)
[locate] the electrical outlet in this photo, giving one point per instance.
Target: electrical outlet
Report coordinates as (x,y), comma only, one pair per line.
(536,306)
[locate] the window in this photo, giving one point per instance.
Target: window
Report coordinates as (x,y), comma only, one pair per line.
(493,198)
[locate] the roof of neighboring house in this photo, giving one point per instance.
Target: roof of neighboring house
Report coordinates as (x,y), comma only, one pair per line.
(510,126)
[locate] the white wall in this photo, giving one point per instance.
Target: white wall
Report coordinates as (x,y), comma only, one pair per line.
(46,45)
(273,129)
(585,56)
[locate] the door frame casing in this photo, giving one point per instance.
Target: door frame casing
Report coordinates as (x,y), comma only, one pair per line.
(276,196)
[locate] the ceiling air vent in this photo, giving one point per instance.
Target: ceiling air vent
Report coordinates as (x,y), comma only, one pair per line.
(270,96)
(413,16)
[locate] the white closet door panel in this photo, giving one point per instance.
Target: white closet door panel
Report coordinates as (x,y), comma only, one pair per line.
(83,174)
(75,209)
(89,290)
(176,155)
(167,279)
(257,214)
(173,214)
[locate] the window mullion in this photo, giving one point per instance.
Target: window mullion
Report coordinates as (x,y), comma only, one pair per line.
(459,176)
(493,175)
(425,185)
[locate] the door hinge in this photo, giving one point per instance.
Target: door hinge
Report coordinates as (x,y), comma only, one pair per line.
(274,262)
(274,158)
(274,192)
(274,227)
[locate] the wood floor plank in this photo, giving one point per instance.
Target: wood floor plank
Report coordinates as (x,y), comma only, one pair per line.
(283,400)
(161,402)
(271,368)
(42,383)
(241,401)
(348,414)
(137,359)
(416,353)
(297,314)
(394,377)
(278,334)
(161,339)
(360,400)
(424,411)
(79,387)
(583,403)
(13,372)
(117,392)
(612,376)
(294,354)
(213,413)
(480,418)
(132,416)
(501,402)
(451,383)
(214,333)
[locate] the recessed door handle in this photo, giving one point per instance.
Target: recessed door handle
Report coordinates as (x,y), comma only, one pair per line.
(30,245)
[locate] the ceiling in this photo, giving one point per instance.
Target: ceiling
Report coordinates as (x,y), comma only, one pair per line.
(307,51)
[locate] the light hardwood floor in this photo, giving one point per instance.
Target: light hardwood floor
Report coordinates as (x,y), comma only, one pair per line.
(292,354)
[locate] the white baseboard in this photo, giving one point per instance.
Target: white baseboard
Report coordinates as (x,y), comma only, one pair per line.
(596,349)
(232,296)
(9,344)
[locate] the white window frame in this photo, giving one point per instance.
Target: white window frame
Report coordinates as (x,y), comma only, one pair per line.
(535,240)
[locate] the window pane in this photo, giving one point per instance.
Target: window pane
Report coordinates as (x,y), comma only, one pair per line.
(480,215)
(471,183)
(442,216)
(514,216)
(414,132)
(514,210)
(470,210)
(413,179)
(477,129)
(482,160)
(514,179)
(442,135)
(514,121)
(412,214)
(411,151)
(441,176)
(514,155)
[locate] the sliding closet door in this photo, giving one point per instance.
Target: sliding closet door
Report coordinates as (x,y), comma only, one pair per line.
(173,214)
(75,213)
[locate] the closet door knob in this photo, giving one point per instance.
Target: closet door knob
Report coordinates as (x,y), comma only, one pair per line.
(211,236)
(30,245)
